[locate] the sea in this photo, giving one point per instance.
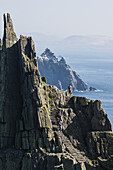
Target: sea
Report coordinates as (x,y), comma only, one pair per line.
(97,72)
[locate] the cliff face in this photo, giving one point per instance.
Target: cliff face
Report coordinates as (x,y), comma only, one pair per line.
(19,83)
(29,110)
(58,73)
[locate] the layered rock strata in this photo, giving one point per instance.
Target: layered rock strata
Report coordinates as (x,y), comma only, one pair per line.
(58,73)
(29,111)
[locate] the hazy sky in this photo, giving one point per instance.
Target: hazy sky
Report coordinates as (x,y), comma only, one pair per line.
(60,17)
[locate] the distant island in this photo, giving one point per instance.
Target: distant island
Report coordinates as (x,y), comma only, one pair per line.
(58,73)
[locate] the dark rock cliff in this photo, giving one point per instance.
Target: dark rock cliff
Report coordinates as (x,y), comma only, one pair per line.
(58,73)
(29,110)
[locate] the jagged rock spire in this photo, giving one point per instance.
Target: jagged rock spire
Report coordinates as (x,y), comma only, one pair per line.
(48,53)
(9,38)
(62,60)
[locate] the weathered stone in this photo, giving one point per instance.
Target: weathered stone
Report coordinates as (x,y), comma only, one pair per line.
(80,166)
(68,163)
(13,160)
(9,38)
(83,101)
(106,163)
(1,165)
(52,161)
(25,141)
(32,139)
(100,144)
(99,120)
(18,140)
(27,163)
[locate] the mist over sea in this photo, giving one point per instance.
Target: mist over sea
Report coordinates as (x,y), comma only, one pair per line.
(96,72)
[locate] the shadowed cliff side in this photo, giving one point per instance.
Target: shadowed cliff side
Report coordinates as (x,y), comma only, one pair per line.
(29,110)
(58,73)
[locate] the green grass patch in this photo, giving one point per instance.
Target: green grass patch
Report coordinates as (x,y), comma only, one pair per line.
(43,82)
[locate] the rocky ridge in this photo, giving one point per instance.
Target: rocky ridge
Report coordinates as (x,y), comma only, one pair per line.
(29,108)
(58,73)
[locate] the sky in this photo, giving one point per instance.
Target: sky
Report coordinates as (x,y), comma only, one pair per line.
(60,17)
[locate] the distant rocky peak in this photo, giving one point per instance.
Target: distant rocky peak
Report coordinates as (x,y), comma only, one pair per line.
(9,38)
(47,53)
(62,60)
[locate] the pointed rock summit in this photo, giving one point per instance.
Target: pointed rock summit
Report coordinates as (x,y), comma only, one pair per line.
(9,38)
(62,60)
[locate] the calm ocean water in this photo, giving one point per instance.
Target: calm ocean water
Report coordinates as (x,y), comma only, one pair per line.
(96,72)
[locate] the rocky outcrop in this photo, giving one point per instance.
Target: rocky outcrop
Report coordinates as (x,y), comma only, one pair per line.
(92,89)
(29,112)
(9,38)
(58,73)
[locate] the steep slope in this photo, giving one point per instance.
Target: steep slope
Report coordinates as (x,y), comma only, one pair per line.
(29,108)
(58,72)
